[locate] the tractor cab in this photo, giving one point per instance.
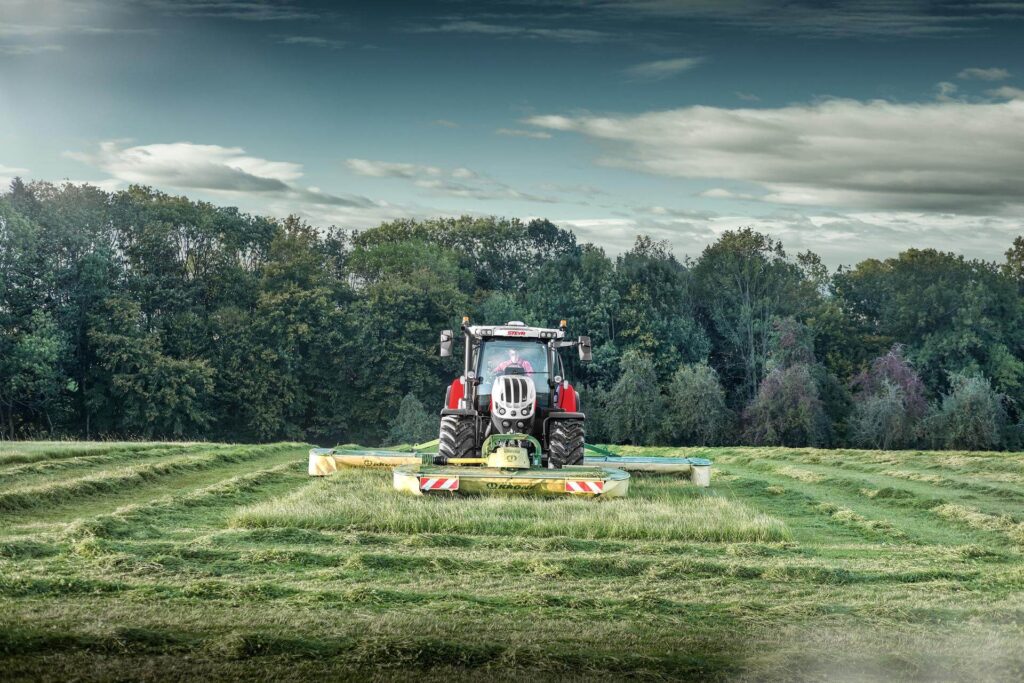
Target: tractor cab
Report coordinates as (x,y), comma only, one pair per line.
(497,357)
(513,382)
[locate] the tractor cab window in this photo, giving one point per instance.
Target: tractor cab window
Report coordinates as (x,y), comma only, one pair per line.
(511,357)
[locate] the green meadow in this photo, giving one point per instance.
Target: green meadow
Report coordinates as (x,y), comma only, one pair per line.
(150,561)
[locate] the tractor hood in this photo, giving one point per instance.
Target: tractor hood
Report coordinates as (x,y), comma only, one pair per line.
(514,400)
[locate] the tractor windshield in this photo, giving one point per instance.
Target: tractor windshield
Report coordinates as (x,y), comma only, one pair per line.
(511,357)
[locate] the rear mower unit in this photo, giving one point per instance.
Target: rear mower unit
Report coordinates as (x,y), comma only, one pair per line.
(507,469)
(511,424)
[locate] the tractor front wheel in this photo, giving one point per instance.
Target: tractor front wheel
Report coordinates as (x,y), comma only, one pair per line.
(565,443)
(458,437)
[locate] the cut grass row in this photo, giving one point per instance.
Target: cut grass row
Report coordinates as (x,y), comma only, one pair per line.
(130,519)
(14,453)
(65,468)
(918,496)
(866,503)
(63,491)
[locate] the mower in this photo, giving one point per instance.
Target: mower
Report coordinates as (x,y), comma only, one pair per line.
(511,423)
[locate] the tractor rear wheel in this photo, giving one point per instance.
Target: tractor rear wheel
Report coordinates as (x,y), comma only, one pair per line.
(565,443)
(458,437)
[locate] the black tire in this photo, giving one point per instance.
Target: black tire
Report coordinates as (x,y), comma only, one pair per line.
(565,442)
(458,437)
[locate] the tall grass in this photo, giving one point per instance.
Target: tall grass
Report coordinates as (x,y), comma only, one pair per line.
(657,508)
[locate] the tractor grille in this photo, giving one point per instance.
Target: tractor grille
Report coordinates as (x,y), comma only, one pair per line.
(514,391)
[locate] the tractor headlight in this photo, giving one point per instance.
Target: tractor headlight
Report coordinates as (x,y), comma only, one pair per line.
(519,424)
(505,424)
(526,410)
(501,411)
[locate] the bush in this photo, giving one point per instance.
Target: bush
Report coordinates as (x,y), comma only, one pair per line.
(788,410)
(971,417)
(889,404)
(594,404)
(412,424)
(695,409)
(880,420)
(633,408)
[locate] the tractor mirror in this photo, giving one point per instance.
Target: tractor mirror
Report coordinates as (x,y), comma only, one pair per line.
(584,346)
(446,343)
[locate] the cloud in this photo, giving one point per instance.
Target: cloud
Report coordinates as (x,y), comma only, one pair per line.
(938,156)
(747,97)
(12,30)
(457,182)
(515,132)
(244,10)
(839,238)
(993,74)
(31,38)
(390,169)
(312,41)
(22,50)
(568,35)
(663,68)
(445,123)
(1006,92)
(581,189)
(210,168)
(879,19)
(945,91)
(722,193)
(9,173)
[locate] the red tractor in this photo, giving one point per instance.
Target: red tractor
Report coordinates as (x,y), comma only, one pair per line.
(513,382)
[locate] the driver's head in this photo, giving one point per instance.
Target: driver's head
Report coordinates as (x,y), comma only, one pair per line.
(513,355)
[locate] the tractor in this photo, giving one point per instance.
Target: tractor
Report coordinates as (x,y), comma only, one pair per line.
(513,382)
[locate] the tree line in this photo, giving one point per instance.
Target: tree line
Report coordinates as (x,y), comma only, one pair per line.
(143,315)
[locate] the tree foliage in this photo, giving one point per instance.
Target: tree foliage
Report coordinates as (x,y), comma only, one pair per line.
(633,406)
(889,403)
(412,424)
(696,413)
(137,313)
(970,417)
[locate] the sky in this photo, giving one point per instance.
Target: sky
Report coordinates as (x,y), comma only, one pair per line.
(855,130)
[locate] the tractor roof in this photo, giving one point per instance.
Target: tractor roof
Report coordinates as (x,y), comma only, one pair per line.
(516,330)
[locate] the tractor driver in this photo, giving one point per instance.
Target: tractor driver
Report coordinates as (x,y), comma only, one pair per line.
(514,361)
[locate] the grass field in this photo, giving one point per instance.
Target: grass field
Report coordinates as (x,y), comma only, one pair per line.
(154,561)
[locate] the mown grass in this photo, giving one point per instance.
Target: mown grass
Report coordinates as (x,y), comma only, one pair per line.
(658,509)
(224,562)
(108,481)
